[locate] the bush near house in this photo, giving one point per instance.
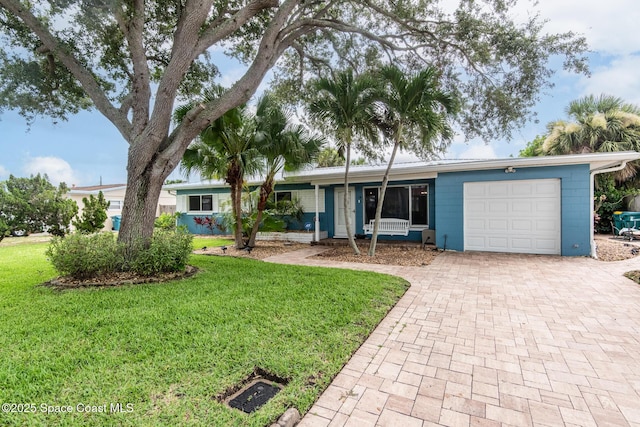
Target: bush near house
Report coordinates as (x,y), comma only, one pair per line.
(31,205)
(93,215)
(167,221)
(85,256)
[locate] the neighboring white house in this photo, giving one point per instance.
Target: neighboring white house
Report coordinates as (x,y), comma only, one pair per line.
(114,194)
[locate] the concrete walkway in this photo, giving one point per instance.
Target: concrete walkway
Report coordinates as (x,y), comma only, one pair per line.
(491,339)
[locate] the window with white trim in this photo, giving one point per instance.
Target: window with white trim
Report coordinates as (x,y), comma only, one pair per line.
(201,203)
(409,202)
(283,195)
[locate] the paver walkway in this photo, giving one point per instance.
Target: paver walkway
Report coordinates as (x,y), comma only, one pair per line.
(492,339)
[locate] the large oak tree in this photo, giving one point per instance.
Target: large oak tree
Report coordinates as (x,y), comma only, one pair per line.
(133,60)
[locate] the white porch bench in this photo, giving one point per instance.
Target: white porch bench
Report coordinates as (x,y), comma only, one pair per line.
(389,227)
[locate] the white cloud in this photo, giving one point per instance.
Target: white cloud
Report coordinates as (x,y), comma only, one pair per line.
(618,78)
(474,150)
(57,169)
(610,27)
(4,172)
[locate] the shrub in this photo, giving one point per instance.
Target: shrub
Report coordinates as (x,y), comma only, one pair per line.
(93,215)
(31,205)
(168,252)
(84,256)
(166,221)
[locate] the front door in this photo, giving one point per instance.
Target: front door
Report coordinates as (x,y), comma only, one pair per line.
(339,221)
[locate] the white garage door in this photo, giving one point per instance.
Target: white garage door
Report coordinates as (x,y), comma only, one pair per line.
(512,216)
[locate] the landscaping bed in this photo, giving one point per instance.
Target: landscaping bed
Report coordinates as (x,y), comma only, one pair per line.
(407,255)
(616,249)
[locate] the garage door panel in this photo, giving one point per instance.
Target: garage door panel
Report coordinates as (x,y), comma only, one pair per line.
(479,206)
(548,187)
(547,245)
(523,225)
(522,206)
(498,225)
(522,244)
(498,190)
(520,189)
(497,206)
(476,224)
(547,226)
(496,243)
(476,193)
(513,216)
(544,207)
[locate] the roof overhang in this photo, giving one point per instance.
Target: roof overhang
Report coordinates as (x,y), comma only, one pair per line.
(84,191)
(427,170)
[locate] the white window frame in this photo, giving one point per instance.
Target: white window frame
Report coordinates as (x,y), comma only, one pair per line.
(409,188)
(292,194)
(214,203)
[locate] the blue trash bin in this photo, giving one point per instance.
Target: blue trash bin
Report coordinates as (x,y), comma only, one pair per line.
(116,222)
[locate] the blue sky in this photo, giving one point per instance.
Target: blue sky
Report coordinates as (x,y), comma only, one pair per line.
(87,148)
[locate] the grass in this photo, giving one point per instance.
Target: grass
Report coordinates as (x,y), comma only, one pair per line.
(633,275)
(169,349)
(200,241)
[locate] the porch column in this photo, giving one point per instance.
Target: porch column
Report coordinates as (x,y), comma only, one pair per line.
(317,219)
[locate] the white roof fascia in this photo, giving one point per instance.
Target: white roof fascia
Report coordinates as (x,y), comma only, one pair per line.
(104,191)
(426,170)
(595,161)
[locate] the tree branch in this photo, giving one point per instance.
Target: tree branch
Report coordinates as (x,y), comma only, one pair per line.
(270,49)
(82,74)
(140,80)
(218,31)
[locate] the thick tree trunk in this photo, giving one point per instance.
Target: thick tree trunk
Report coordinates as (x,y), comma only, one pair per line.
(265,190)
(383,190)
(347,204)
(140,204)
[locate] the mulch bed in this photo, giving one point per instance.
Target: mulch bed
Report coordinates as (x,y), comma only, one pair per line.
(404,255)
(117,279)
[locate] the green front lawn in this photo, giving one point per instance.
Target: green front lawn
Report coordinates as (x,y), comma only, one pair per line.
(169,349)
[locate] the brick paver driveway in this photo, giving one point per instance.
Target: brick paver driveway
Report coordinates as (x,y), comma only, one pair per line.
(490,339)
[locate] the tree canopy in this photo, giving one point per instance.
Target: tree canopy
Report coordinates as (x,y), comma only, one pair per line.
(31,205)
(133,60)
(601,124)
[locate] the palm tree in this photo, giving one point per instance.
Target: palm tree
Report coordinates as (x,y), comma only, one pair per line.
(599,124)
(345,103)
(225,150)
(413,114)
(329,157)
(282,147)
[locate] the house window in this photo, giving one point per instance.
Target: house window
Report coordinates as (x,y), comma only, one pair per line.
(115,205)
(201,203)
(283,195)
(403,202)
(419,205)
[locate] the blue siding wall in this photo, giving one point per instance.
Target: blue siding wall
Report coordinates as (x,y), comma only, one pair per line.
(575,215)
(187,219)
(415,235)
